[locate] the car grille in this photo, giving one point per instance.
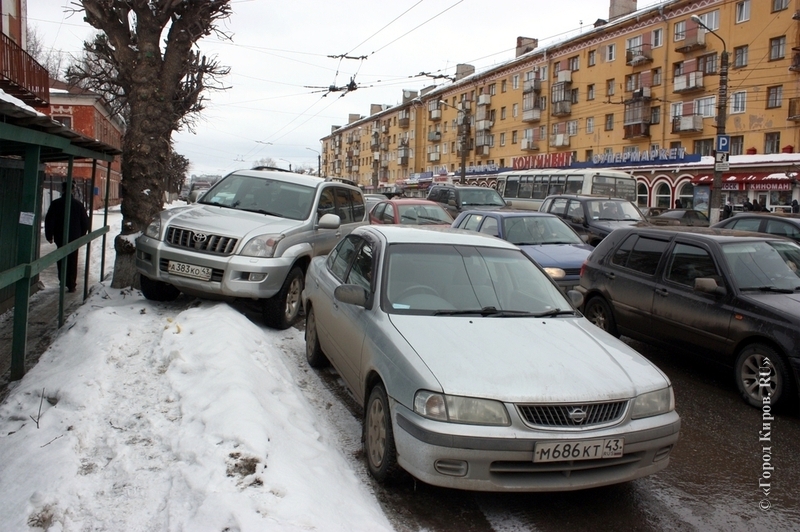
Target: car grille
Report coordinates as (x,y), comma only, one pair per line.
(573,415)
(186,238)
(572,272)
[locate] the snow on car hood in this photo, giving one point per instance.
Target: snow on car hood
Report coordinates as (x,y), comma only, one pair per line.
(558,255)
(224,221)
(528,359)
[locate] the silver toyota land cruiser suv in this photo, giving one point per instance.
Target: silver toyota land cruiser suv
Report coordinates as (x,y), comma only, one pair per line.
(252,235)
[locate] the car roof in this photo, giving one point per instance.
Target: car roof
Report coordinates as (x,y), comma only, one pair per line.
(587,197)
(780,215)
(700,233)
(413,234)
(411,201)
(508,213)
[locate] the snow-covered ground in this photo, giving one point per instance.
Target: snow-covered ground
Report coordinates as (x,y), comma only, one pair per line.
(182,416)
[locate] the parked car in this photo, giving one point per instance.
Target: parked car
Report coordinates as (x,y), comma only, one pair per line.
(474,369)
(373,199)
(414,211)
(545,238)
(592,217)
(250,236)
(727,295)
(457,199)
(647,212)
(688,217)
(787,225)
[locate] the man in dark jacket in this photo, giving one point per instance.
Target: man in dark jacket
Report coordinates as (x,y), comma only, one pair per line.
(54,230)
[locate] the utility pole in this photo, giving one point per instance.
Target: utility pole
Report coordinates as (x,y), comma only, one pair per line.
(464,128)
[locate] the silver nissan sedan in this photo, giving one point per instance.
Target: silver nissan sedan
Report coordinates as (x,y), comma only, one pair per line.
(475,372)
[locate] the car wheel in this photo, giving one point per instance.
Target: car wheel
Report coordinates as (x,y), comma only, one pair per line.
(760,373)
(157,290)
(282,309)
(599,312)
(379,437)
(314,355)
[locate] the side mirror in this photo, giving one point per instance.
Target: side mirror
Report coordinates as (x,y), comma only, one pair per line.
(351,294)
(709,285)
(329,221)
(576,298)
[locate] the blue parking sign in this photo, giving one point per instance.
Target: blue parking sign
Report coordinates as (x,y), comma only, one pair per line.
(723,143)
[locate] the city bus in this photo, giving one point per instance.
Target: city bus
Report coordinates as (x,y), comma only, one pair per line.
(526,189)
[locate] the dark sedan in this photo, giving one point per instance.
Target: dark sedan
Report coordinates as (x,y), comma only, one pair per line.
(545,238)
(688,217)
(787,225)
(727,295)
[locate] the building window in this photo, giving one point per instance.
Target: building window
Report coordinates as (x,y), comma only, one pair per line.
(502,113)
(574,94)
(503,86)
(676,109)
(543,72)
(492,89)
(774,96)
(590,125)
(705,106)
(655,115)
(777,48)
(574,63)
(572,128)
(738,101)
(502,139)
(737,145)
(663,196)
(589,154)
(590,91)
(707,63)
(631,82)
(656,77)
(513,137)
(703,146)
(611,52)
(675,145)
(592,57)
(609,121)
(710,19)
(610,87)
(742,11)
(65,121)
(515,110)
(679,31)
(740,56)
(779,5)
(641,195)
(657,38)
(772,142)
(515,81)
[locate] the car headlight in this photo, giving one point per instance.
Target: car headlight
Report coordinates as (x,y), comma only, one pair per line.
(262,246)
(456,409)
(555,273)
(154,229)
(653,403)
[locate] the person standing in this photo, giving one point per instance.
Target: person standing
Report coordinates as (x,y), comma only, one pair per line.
(756,207)
(747,206)
(727,212)
(54,230)
(678,204)
(795,206)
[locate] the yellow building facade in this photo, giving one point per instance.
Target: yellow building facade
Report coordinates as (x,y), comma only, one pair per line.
(640,92)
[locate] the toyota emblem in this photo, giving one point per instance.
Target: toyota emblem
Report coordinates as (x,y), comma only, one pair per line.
(577,415)
(199,237)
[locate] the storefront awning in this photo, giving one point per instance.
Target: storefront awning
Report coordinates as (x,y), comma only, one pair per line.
(750,180)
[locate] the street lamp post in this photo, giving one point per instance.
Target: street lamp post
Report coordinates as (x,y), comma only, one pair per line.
(464,139)
(721,141)
(290,164)
(319,162)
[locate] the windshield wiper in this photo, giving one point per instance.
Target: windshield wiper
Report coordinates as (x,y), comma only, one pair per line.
(485,311)
(554,312)
(262,211)
(495,313)
(774,289)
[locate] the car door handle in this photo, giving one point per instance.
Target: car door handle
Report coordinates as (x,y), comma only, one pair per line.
(610,275)
(662,292)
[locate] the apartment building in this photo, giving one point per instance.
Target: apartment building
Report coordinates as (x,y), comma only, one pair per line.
(639,91)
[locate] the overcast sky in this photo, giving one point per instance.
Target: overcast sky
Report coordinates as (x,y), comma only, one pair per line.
(280,69)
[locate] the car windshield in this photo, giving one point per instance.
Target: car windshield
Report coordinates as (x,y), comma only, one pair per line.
(614,210)
(481,196)
(424,214)
(533,230)
(442,279)
(765,265)
(262,195)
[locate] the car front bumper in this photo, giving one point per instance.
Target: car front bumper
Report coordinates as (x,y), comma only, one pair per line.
(233,276)
(505,462)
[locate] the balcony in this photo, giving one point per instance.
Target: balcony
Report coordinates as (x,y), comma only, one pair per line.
(21,76)
(531,115)
(374,143)
(434,156)
(483,125)
(464,105)
(435,114)
(434,136)
(482,150)
(404,152)
(687,124)
(384,128)
(639,55)
(384,163)
(563,108)
(403,122)
(564,76)
(532,85)
(529,145)
(354,168)
(693,81)
(794,109)
(693,40)
(635,131)
(560,140)
(484,99)
(640,94)
(795,66)
(384,146)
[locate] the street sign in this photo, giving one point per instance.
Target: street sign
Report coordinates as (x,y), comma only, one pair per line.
(723,143)
(721,161)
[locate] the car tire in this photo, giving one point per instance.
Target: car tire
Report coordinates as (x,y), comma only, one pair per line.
(599,312)
(157,290)
(379,437)
(282,309)
(314,355)
(779,385)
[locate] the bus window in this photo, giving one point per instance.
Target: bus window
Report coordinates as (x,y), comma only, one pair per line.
(574,184)
(525,186)
(557,184)
(512,184)
(540,185)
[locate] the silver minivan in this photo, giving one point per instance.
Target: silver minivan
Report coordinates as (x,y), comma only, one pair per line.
(252,235)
